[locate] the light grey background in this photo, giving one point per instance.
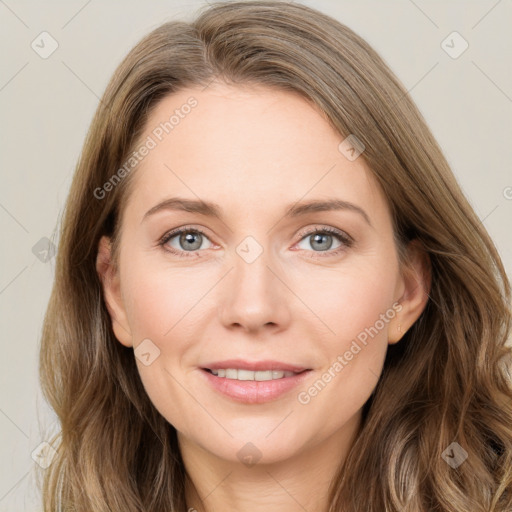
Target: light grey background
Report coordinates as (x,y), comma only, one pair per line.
(47,105)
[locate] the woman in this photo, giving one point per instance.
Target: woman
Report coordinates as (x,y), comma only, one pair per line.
(259,368)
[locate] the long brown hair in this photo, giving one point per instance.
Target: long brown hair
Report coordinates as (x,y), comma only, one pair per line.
(444,382)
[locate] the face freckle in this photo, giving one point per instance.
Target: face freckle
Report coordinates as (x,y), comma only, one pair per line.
(254,287)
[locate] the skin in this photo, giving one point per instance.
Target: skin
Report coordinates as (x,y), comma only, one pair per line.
(254,151)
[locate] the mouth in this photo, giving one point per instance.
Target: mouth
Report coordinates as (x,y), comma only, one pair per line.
(254,383)
(260,375)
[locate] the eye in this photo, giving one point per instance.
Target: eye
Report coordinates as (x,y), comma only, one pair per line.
(188,240)
(321,240)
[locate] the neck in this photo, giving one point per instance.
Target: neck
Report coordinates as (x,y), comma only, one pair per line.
(301,482)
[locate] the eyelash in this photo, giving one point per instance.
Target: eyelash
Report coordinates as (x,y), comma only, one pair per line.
(345,240)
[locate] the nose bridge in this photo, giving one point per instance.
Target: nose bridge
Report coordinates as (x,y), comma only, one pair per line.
(251,271)
(253,296)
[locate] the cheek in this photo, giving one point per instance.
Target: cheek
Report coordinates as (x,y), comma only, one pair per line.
(159,301)
(357,311)
(163,305)
(360,303)
(349,300)
(357,305)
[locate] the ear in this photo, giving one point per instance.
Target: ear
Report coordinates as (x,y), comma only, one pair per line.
(109,277)
(415,283)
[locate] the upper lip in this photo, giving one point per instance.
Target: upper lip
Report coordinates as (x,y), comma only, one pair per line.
(255,365)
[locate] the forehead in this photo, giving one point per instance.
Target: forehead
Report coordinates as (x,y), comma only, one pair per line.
(246,147)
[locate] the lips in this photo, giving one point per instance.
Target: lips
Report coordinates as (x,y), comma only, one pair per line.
(240,380)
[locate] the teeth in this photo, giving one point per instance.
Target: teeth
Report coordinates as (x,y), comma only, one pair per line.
(233,373)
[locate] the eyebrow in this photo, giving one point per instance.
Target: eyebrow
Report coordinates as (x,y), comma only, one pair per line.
(297,209)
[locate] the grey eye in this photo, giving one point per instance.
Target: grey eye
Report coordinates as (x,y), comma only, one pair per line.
(320,241)
(187,240)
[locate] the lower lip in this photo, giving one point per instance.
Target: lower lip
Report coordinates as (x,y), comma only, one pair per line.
(253,391)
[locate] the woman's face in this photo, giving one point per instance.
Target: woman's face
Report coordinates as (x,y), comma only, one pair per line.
(259,285)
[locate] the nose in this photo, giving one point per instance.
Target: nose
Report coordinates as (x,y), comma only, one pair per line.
(254,296)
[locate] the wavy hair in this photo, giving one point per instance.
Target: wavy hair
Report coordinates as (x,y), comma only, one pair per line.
(446,381)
